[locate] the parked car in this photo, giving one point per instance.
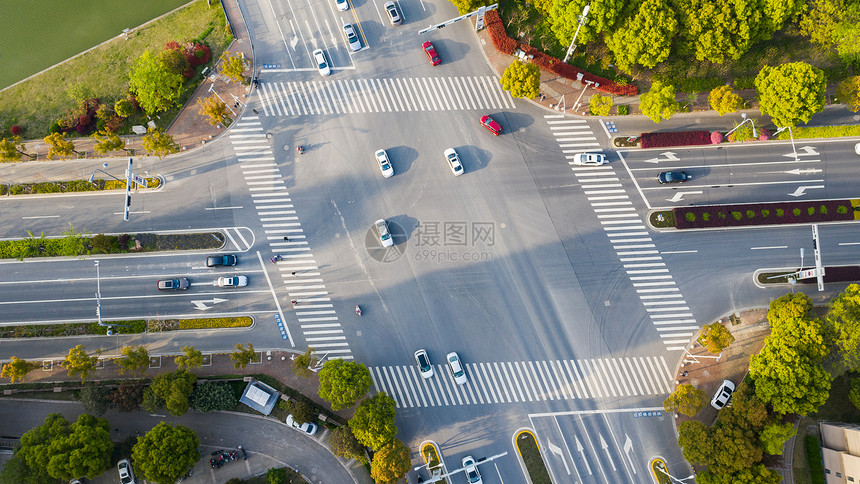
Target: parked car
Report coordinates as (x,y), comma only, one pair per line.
(309,428)
(723,395)
(857,148)
(456,367)
(589,159)
(351,38)
(221,260)
(491,125)
(322,62)
(235,281)
(342,5)
(430,50)
(423,362)
(453,160)
(382,232)
(393,13)
(673,177)
(173,284)
(126,474)
(472,474)
(384,163)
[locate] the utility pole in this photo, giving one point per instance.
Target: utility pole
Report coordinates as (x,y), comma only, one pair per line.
(582,19)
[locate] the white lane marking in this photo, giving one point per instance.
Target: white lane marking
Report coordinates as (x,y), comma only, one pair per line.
(771,247)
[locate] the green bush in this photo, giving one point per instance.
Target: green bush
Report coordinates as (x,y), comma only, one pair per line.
(54,127)
(721,214)
(100,244)
(813,459)
(706,216)
(796,212)
(691,84)
(822,210)
(623,109)
(737,215)
(780,212)
(842,209)
(765,213)
(745,82)
(210,396)
(854,393)
(750,214)
(690,217)
(810,210)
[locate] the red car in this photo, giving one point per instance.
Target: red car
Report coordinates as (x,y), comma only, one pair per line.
(431,53)
(491,125)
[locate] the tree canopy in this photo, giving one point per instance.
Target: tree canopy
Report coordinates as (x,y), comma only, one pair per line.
(659,103)
(106,142)
(344,444)
(848,92)
(686,399)
(343,382)
(844,318)
(521,79)
(600,105)
(790,93)
(213,107)
(78,362)
(135,359)
(603,15)
(159,143)
(17,368)
(59,450)
(166,453)
(242,357)
(373,421)
(724,101)
(171,391)
(190,358)
(644,38)
(715,31)
(156,88)
(717,337)
(390,463)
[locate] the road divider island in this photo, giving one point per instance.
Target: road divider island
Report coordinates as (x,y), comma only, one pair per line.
(752,214)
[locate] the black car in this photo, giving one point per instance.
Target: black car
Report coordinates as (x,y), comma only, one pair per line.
(673,177)
(221,260)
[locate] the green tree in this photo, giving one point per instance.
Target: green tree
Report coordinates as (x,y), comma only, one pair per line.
(190,358)
(776,12)
(242,357)
(844,318)
(124,108)
(788,307)
(790,93)
(521,79)
(834,23)
(848,93)
(723,100)
(78,362)
(466,6)
(757,474)
(714,31)
(390,463)
(600,105)
(343,382)
(62,451)
(644,38)
(659,103)
(233,66)
(210,396)
(302,363)
(12,149)
(344,445)
(106,142)
(158,143)
(213,107)
(302,411)
(166,453)
(774,436)
(747,411)
(17,369)
(135,359)
(173,61)
(59,145)
(735,449)
(373,421)
(94,398)
(155,87)
(716,337)
(695,441)
(603,15)
(174,390)
(686,399)
(276,476)
(854,393)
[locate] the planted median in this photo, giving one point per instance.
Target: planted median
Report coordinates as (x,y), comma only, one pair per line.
(745,215)
(528,448)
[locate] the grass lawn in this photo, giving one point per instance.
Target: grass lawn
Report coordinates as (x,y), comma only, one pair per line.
(533,460)
(103,72)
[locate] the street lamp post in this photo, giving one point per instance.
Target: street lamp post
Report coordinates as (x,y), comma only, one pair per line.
(670,476)
(790,135)
(744,115)
(130,178)
(582,19)
(212,90)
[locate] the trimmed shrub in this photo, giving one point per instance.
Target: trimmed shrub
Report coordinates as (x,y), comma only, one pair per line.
(764,134)
(796,212)
(498,36)
(623,109)
(15,130)
(716,138)
(810,210)
(706,216)
(737,215)
(54,127)
(722,215)
(842,209)
(675,138)
(779,212)
(750,214)
(758,214)
(822,210)
(210,396)
(690,217)
(765,213)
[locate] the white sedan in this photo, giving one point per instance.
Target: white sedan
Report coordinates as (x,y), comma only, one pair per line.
(472,474)
(453,160)
(235,281)
(322,62)
(383,233)
(589,159)
(342,5)
(384,163)
(351,38)
(309,428)
(456,367)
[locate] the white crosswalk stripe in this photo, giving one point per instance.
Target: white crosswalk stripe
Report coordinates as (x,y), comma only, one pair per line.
(352,96)
(525,381)
(626,231)
(299,271)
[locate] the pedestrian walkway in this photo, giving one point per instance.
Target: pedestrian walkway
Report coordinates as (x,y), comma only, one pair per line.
(298,268)
(628,235)
(525,381)
(348,96)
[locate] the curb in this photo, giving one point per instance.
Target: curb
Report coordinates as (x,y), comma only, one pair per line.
(520,459)
(442,465)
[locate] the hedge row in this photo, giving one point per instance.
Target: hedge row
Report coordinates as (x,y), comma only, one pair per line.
(781,213)
(70,329)
(69,186)
(820,132)
(675,138)
(507,45)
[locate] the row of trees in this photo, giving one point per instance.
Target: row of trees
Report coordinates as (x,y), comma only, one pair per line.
(155,142)
(58,449)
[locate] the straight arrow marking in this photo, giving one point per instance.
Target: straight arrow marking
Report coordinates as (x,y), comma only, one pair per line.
(580,449)
(628,446)
(605,447)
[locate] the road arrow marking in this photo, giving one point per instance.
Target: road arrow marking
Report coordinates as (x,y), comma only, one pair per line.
(605,447)
(294,42)
(628,446)
(579,448)
(807,151)
(801,191)
(804,171)
(557,450)
(200,305)
(669,157)
(680,195)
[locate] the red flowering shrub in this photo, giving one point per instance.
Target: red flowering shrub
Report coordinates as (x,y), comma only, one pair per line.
(172,45)
(764,134)
(188,73)
(196,54)
(15,130)
(716,138)
(114,124)
(84,119)
(498,36)
(674,138)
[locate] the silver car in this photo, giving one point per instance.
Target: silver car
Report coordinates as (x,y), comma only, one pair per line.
(393,13)
(423,362)
(456,367)
(322,62)
(383,233)
(351,38)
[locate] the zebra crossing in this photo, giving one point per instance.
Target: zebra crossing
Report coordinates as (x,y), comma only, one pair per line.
(299,271)
(353,96)
(525,381)
(641,260)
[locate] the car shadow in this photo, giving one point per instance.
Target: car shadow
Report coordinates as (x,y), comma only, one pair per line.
(401,228)
(473,158)
(512,121)
(401,158)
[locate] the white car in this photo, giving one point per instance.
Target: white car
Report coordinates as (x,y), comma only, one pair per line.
(456,367)
(383,233)
(453,160)
(472,474)
(351,38)
(393,13)
(384,163)
(235,281)
(322,62)
(423,362)
(589,159)
(309,428)
(723,395)
(126,474)
(857,148)
(342,5)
